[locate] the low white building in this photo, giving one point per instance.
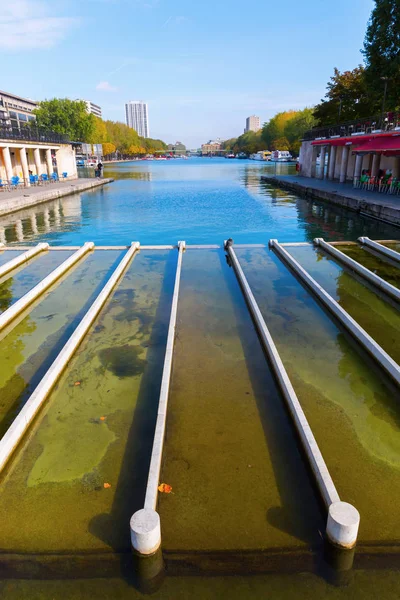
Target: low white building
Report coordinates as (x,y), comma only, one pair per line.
(31,151)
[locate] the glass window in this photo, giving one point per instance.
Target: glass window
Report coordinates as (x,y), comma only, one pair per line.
(22,117)
(13,114)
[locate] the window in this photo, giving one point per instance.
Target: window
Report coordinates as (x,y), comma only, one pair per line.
(22,117)
(13,114)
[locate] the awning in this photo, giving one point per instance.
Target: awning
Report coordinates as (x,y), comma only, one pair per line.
(389,146)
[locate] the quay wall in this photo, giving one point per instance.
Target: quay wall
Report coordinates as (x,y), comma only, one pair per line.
(10,203)
(343,198)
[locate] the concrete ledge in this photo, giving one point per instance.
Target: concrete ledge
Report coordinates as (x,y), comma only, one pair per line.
(29,298)
(22,258)
(339,534)
(342,197)
(371,277)
(145,523)
(10,203)
(22,421)
(379,248)
(366,341)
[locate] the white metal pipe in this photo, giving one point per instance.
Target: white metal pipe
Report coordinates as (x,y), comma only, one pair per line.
(145,523)
(15,309)
(21,423)
(371,277)
(366,341)
(379,248)
(335,528)
(21,258)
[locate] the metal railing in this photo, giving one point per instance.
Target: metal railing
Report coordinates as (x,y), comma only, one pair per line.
(389,121)
(32,134)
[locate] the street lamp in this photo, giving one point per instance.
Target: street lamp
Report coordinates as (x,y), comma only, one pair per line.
(385,79)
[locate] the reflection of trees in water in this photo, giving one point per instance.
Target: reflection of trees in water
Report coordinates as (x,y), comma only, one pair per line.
(6,294)
(138,175)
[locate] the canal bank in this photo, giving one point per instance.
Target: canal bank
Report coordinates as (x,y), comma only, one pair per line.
(26,197)
(373,204)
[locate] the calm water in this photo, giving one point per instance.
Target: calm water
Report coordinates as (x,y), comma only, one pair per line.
(239,480)
(200,200)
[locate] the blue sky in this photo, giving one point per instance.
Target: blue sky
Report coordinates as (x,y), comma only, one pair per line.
(203,66)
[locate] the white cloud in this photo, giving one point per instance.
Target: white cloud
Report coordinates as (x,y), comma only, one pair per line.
(104,86)
(24,25)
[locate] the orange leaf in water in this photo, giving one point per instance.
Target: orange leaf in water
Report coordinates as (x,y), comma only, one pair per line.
(77,383)
(164,487)
(106,485)
(103,418)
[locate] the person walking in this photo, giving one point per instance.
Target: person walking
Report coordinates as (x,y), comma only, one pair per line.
(99,169)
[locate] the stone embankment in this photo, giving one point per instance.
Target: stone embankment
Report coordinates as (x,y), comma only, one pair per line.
(384,207)
(25,197)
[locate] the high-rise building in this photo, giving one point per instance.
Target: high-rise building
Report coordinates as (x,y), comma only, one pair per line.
(93,109)
(252,124)
(137,117)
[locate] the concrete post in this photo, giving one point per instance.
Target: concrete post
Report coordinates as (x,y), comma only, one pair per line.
(7,162)
(24,164)
(396,167)
(376,161)
(36,155)
(343,166)
(358,168)
(49,162)
(332,163)
(322,163)
(314,161)
(343,523)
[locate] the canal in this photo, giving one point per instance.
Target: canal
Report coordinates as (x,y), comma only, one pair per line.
(244,519)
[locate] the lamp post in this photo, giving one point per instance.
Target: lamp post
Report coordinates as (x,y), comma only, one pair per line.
(385,79)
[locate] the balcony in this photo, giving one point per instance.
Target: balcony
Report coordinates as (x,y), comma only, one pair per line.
(377,124)
(31,134)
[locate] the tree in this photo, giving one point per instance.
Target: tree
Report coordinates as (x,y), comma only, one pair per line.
(275,128)
(346,99)
(66,117)
(295,128)
(249,142)
(381,53)
(108,148)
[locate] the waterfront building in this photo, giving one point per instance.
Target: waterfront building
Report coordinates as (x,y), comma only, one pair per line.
(33,151)
(346,150)
(177,148)
(15,111)
(211,147)
(252,124)
(93,109)
(137,117)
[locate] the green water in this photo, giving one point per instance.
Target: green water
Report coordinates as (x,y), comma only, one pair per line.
(17,283)
(7,255)
(96,428)
(351,408)
(362,585)
(392,245)
(374,311)
(231,456)
(386,269)
(31,346)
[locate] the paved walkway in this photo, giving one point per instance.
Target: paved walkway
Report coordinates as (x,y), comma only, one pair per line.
(382,206)
(25,197)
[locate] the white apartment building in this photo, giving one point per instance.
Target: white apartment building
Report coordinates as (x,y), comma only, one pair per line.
(93,109)
(137,117)
(252,124)
(15,111)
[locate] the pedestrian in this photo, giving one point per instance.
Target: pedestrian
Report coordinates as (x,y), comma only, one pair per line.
(99,169)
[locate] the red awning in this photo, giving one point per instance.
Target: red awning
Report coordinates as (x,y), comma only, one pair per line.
(390,146)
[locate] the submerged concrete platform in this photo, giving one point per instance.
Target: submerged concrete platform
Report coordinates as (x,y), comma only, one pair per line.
(24,197)
(374,204)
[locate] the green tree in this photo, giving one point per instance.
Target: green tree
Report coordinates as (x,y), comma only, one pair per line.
(67,117)
(382,53)
(275,128)
(347,98)
(295,128)
(249,142)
